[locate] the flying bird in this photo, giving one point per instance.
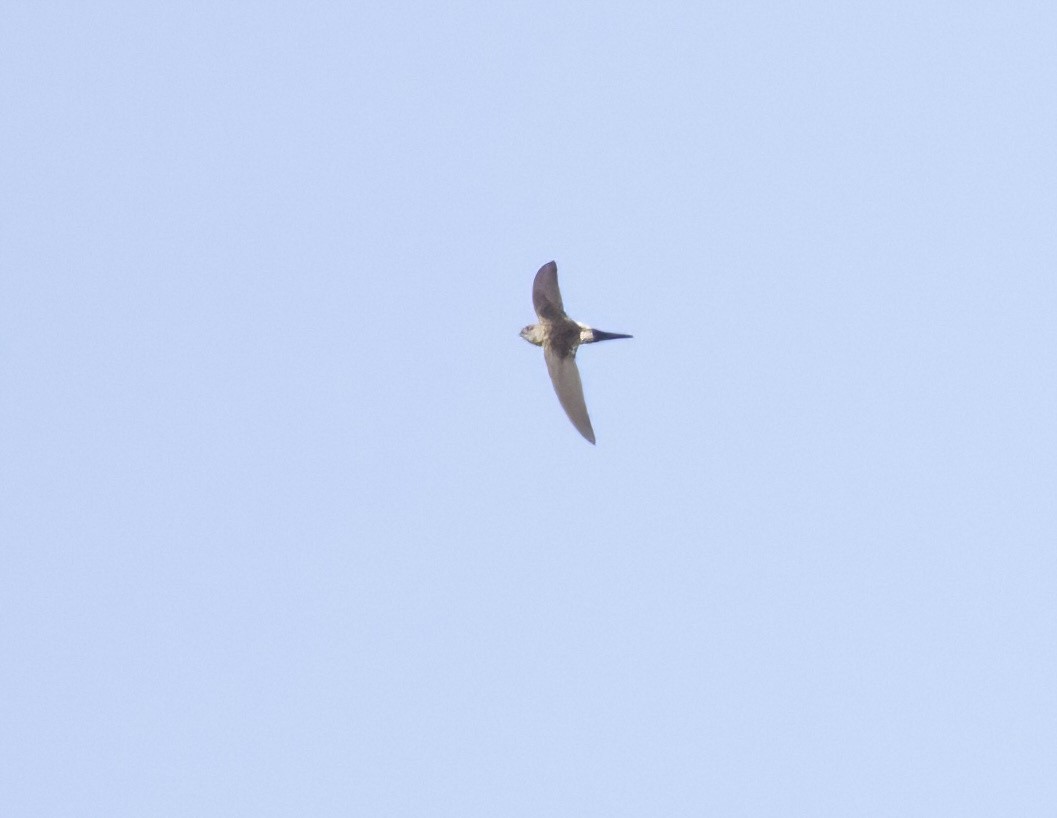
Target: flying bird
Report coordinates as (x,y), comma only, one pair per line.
(560,336)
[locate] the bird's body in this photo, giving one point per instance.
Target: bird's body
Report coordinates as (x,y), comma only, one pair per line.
(560,337)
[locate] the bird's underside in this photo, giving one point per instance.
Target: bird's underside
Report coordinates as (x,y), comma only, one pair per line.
(560,337)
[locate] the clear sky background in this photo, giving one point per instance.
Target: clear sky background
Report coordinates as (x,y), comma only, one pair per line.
(293,524)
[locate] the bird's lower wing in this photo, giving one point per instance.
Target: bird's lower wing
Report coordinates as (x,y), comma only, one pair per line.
(566,379)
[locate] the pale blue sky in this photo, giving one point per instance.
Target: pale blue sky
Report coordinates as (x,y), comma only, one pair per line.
(292,522)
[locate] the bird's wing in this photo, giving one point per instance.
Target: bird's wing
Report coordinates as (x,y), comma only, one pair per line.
(566,379)
(546,298)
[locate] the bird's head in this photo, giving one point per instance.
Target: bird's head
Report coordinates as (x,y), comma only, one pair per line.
(532,335)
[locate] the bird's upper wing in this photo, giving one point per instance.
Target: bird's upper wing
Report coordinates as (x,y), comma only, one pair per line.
(566,379)
(546,298)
